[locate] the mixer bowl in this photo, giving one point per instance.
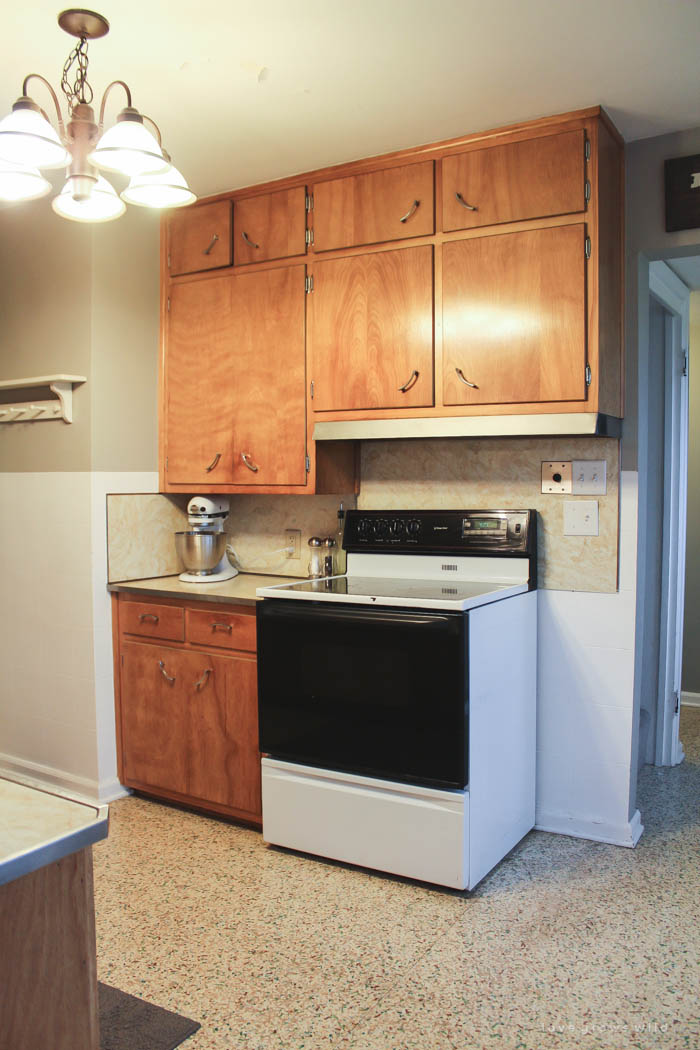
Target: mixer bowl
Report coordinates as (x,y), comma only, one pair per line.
(200,552)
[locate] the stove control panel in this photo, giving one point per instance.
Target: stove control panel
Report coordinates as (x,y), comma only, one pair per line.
(505,532)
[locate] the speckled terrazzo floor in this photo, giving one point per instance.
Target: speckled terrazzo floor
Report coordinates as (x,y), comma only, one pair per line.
(566,944)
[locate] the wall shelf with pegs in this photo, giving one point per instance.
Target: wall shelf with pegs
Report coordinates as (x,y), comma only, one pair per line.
(35,411)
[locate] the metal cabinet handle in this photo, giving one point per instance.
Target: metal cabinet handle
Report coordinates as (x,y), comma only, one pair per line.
(213,463)
(247,239)
(207,251)
(461,200)
(168,677)
(222,627)
(201,682)
(411,381)
(463,379)
(148,616)
(249,462)
(410,212)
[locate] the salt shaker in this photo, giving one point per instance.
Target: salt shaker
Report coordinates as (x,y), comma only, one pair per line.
(315,557)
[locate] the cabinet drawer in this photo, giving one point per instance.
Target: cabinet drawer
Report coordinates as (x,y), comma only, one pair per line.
(152,621)
(518,180)
(381,206)
(224,630)
(271,226)
(200,238)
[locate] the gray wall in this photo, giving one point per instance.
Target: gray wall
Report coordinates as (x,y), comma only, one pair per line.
(691,625)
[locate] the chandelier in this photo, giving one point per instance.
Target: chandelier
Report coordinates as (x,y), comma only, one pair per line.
(28,142)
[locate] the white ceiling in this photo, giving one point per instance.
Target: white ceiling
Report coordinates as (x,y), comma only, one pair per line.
(249,92)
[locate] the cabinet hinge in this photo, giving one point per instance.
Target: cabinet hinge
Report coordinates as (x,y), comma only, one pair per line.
(589,375)
(168,260)
(587,149)
(677,707)
(684,361)
(309,284)
(166,462)
(168,304)
(312,389)
(309,236)
(307,464)
(587,247)
(122,659)
(587,190)
(309,202)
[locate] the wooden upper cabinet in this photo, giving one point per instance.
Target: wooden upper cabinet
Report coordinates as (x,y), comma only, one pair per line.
(200,238)
(234,380)
(371,331)
(514,317)
(528,179)
(386,205)
(270,226)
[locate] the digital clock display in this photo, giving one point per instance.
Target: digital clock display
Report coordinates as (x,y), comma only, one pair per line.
(486,523)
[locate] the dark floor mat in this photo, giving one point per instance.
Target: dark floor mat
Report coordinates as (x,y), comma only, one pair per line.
(128,1023)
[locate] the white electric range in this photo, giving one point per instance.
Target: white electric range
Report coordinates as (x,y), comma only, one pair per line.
(397,702)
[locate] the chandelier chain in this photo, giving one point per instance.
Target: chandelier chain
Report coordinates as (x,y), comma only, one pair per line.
(80,90)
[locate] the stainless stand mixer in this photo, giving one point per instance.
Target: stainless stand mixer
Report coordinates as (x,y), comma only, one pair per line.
(202,549)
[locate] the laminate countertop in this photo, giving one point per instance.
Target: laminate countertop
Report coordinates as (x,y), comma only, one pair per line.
(38,828)
(238,591)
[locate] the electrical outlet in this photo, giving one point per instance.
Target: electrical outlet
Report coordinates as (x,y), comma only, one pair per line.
(556,477)
(581,517)
(292,538)
(590,478)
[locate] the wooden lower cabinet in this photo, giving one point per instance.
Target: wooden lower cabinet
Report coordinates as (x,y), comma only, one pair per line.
(187,720)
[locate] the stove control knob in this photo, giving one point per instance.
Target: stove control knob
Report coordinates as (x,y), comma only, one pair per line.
(413,527)
(397,528)
(363,529)
(381,529)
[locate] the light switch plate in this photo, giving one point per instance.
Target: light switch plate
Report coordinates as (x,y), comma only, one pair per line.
(556,476)
(581,517)
(589,477)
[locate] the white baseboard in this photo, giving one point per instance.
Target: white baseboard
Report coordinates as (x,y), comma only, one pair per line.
(36,775)
(690,699)
(616,834)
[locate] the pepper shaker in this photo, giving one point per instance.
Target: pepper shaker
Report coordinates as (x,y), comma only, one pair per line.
(329,556)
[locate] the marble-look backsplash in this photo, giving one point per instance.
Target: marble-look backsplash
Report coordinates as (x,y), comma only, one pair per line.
(446,472)
(503,472)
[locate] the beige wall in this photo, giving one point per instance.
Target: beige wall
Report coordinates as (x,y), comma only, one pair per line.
(691,627)
(45,315)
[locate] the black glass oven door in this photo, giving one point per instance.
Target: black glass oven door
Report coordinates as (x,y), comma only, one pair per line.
(381,692)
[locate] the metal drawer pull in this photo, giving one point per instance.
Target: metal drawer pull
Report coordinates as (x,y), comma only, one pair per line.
(203,680)
(464,204)
(148,616)
(222,627)
(410,212)
(249,462)
(213,463)
(247,239)
(207,251)
(168,677)
(463,379)
(413,378)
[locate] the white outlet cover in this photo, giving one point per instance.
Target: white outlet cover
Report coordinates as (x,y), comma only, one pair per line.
(551,470)
(589,477)
(581,517)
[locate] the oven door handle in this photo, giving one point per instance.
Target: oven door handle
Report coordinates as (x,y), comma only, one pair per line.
(364,614)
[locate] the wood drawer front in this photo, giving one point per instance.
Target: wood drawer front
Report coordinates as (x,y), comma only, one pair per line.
(271,226)
(200,238)
(529,179)
(380,206)
(152,621)
(221,629)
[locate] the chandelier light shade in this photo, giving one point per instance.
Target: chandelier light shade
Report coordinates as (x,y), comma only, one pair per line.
(29,141)
(18,183)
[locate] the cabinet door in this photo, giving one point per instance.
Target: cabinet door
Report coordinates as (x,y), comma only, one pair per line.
(518,180)
(384,205)
(222,732)
(235,387)
(154,715)
(271,226)
(514,317)
(200,238)
(371,331)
